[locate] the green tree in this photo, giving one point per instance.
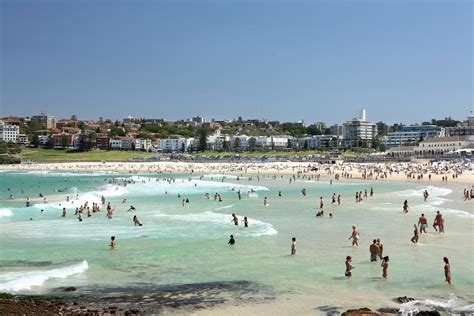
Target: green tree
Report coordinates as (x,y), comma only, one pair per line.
(305,146)
(252,143)
(225,145)
(237,144)
(202,140)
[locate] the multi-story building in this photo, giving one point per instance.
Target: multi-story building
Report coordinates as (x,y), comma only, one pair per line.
(121,143)
(411,135)
(143,144)
(46,121)
(337,130)
(243,141)
(318,142)
(63,140)
(175,144)
(102,142)
(434,147)
(359,132)
(467,128)
(273,141)
(9,133)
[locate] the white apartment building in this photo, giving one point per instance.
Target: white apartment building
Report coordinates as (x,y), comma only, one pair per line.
(143,144)
(9,133)
(359,131)
(175,144)
(243,139)
(275,141)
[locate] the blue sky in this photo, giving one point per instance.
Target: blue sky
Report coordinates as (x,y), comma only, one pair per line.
(405,61)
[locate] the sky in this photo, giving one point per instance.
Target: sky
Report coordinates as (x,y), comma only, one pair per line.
(404,61)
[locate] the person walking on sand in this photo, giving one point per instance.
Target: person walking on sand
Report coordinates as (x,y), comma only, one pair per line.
(415,237)
(349,266)
(384,266)
(423,223)
(293,246)
(447,270)
(355,236)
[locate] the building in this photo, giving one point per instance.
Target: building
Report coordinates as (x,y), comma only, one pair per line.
(442,145)
(9,133)
(411,135)
(143,144)
(121,143)
(318,142)
(216,141)
(467,128)
(63,140)
(46,121)
(359,132)
(273,141)
(434,147)
(240,140)
(337,130)
(175,144)
(102,142)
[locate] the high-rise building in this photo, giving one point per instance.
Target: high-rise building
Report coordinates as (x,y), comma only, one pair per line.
(47,121)
(359,132)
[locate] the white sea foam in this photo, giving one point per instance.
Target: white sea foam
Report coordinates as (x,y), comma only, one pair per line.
(432,191)
(256,227)
(450,305)
(18,281)
(5,212)
(223,207)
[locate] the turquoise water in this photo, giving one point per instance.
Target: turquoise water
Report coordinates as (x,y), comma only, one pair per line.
(188,245)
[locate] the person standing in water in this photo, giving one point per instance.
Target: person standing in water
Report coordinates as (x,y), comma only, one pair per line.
(447,270)
(293,246)
(64,212)
(423,223)
(355,236)
(405,206)
(415,237)
(384,266)
(235,220)
(439,222)
(246,222)
(231,240)
(374,251)
(136,221)
(380,248)
(349,266)
(265,201)
(113,243)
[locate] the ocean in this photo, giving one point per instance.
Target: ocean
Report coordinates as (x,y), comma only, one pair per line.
(181,258)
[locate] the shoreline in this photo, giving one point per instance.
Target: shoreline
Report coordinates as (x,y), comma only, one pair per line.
(354,171)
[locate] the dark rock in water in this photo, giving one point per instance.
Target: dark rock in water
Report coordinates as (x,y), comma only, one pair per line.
(403,299)
(428,313)
(69,289)
(360,311)
(388,310)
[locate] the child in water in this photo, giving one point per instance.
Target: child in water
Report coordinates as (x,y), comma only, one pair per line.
(384,266)
(231,240)
(447,270)
(293,246)
(112,242)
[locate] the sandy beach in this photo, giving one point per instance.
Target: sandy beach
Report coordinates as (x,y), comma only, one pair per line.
(389,171)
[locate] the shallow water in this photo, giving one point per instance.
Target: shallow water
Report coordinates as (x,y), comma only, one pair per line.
(188,245)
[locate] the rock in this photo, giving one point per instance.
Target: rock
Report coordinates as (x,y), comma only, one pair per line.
(360,311)
(403,299)
(428,313)
(70,289)
(388,310)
